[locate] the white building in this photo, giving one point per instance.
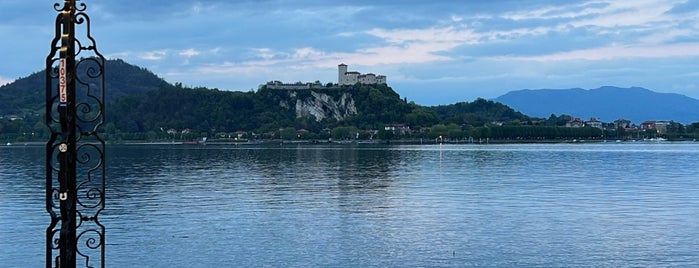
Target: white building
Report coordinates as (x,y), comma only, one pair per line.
(350,78)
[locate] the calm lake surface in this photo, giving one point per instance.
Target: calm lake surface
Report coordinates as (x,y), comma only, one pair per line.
(532,205)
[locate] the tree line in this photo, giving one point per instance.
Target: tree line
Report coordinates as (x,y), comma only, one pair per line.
(174,112)
(142,106)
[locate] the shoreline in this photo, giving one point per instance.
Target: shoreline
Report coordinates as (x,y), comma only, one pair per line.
(359,142)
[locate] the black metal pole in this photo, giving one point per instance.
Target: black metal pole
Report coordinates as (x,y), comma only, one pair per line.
(67,148)
(75,158)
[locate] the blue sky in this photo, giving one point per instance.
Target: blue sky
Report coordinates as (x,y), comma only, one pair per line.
(433,52)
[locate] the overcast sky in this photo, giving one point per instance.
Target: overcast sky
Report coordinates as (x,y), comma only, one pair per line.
(433,52)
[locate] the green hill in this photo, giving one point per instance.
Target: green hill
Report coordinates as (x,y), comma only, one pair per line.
(26,96)
(140,105)
(211,111)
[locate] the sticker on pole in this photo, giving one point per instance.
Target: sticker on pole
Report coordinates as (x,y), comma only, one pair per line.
(62,81)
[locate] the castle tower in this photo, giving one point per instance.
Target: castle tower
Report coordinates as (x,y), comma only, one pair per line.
(341,71)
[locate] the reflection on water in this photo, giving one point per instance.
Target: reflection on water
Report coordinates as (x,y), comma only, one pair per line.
(336,206)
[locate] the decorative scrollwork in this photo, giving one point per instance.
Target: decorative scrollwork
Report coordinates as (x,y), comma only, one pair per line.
(79,47)
(78,218)
(92,194)
(80,18)
(88,152)
(93,71)
(54,239)
(90,240)
(93,239)
(54,197)
(58,7)
(81,7)
(90,197)
(89,107)
(75,178)
(84,108)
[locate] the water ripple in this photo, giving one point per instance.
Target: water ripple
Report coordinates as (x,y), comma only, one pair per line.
(550,205)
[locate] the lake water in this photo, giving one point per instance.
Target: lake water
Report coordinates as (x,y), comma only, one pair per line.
(532,205)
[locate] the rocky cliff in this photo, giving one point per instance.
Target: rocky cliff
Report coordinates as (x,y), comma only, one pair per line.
(357,104)
(321,105)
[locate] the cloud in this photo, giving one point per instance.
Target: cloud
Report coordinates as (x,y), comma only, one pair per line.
(430,35)
(584,9)
(669,35)
(5,81)
(265,53)
(270,61)
(650,21)
(307,53)
(420,41)
(438,43)
(617,52)
(189,53)
(119,55)
(603,13)
(153,55)
(639,13)
(198,8)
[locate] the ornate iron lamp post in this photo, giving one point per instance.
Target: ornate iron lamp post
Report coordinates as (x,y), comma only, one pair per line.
(75,152)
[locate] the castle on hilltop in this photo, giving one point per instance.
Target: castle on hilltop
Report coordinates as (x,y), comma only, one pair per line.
(350,78)
(343,78)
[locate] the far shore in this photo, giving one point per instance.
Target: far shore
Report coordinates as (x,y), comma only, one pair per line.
(358,142)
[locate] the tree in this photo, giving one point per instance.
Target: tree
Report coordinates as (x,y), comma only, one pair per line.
(439,130)
(342,133)
(384,134)
(288,133)
(420,116)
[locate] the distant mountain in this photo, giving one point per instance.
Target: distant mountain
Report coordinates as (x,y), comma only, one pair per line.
(605,103)
(27,95)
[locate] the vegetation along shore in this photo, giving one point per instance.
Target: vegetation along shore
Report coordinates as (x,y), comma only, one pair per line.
(144,108)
